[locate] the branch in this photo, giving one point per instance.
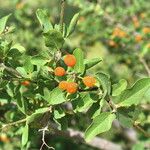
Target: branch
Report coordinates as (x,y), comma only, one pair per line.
(43,138)
(97,142)
(11,70)
(146,134)
(62,16)
(13,123)
(145,65)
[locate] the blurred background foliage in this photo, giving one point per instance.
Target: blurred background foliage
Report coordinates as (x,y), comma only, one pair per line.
(117,31)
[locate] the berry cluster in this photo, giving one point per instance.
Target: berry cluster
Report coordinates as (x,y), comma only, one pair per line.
(72,87)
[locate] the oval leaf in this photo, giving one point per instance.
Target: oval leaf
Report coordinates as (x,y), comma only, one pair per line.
(36,114)
(25,135)
(3,22)
(104,80)
(79,67)
(44,19)
(135,94)
(73,24)
(83,103)
(53,39)
(100,124)
(119,87)
(92,62)
(54,97)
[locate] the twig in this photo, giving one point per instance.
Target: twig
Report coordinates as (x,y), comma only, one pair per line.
(43,138)
(146,134)
(62,16)
(22,120)
(11,70)
(13,123)
(142,60)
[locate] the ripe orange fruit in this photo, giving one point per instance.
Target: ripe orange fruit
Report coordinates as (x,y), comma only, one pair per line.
(4,138)
(138,38)
(112,43)
(59,71)
(63,85)
(119,33)
(136,22)
(70,60)
(25,83)
(72,87)
(146,30)
(89,81)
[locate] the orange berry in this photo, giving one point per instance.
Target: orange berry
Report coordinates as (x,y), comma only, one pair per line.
(89,81)
(112,43)
(72,87)
(136,22)
(4,138)
(119,33)
(59,71)
(146,30)
(138,38)
(25,83)
(134,18)
(63,85)
(70,60)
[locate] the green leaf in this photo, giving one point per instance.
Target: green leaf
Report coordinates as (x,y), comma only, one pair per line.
(3,22)
(28,66)
(100,124)
(127,116)
(83,103)
(124,120)
(144,51)
(59,113)
(21,101)
(104,80)
(54,97)
(92,62)
(119,87)
(38,60)
(39,112)
(79,66)
(135,94)
(44,19)
(138,146)
(147,96)
(73,24)
(53,39)
(62,123)
(5,48)
(22,71)
(18,47)
(25,135)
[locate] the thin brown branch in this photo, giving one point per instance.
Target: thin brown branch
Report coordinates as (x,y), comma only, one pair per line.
(11,70)
(43,130)
(146,134)
(13,123)
(147,68)
(62,16)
